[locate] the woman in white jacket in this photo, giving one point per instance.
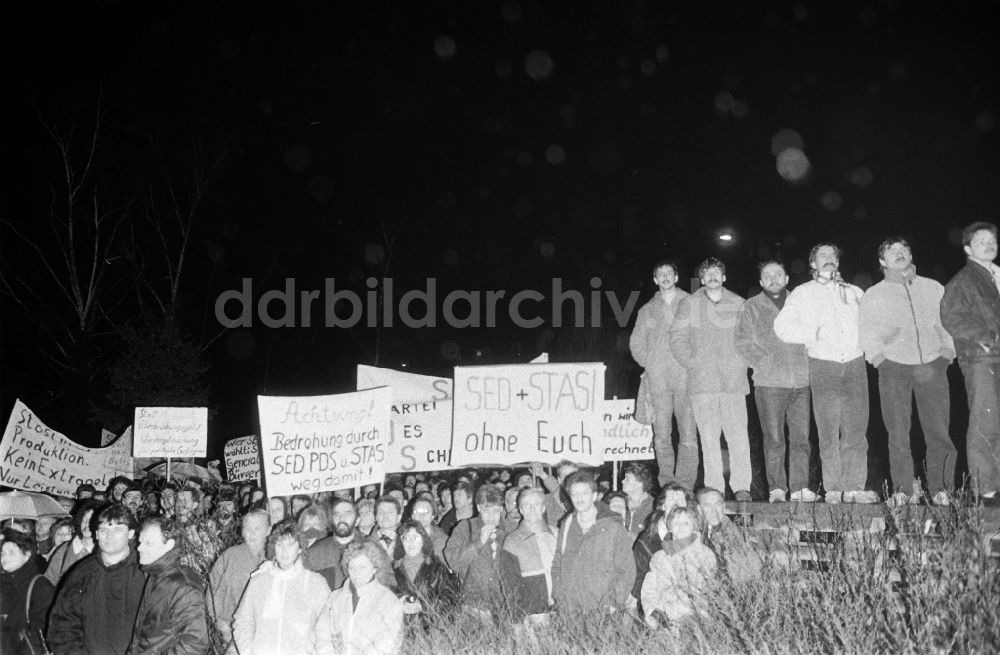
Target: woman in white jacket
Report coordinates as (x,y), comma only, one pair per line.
(678,574)
(282,601)
(363,617)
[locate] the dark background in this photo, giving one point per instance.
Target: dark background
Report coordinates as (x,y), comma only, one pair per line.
(421,140)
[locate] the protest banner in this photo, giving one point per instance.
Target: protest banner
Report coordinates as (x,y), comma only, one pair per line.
(324,443)
(242,459)
(107,436)
(170,432)
(34,457)
(420,439)
(624,437)
(506,415)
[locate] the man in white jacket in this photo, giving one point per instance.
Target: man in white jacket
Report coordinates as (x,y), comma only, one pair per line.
(824,316)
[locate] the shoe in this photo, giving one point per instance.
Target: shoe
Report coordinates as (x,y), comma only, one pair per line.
(776,496)
(897,499)
(805,495)
(743,497)
(833,497)
(942,499)
(861,497)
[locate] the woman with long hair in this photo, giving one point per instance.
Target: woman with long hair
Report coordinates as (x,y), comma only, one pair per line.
(423,581)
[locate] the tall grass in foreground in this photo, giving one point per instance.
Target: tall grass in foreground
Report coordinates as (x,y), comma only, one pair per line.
(890,592)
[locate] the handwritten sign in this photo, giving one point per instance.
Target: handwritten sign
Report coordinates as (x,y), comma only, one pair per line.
(242,459)
(324,443)
(107,436)
(624,437)
(170,431)
(528,412)
(34,457)
(420,439)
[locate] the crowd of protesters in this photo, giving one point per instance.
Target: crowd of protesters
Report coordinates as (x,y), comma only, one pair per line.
(190,567)
(157,566)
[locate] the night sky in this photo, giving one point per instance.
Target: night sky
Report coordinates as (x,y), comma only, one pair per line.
(497,145)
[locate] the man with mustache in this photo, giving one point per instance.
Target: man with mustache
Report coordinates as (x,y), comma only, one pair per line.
(824,315)
(902,337)
(970,311)
(702,339)
(324,556)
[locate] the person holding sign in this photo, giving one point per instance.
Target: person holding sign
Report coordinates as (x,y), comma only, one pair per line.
(702,340)
(666,379)
(593,567)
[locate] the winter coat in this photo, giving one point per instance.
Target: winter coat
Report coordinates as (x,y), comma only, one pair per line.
(650,344)
(172,619)
(701,339)
(593,569)
(676,580)
(227,581)
(636,519)
(648,544)
(970,312)
(825,317)
(528,579)
(96,606)
(774,362)
(435,587)
(63,558)
(23,623)
(901,321)
(374,628)
(279,610)
(477,565)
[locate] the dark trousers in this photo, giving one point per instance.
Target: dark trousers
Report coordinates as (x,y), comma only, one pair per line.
(897,384)
(982,442)
(840,405)
(778,407)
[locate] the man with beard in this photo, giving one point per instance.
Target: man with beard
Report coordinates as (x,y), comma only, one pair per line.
(824,316)
(232,571)
(781,386)
(96,605)
(133,498)
(324,556)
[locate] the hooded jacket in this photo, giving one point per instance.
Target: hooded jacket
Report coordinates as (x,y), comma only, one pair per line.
(901,321)
(172,618)
(970,312)
(594,569)
(95,607)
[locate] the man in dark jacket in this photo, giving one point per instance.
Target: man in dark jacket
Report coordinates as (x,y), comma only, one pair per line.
(970,312)
(172,618)
(324,556)
(96,605)
(474,551)
(781,386)
(593,567)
